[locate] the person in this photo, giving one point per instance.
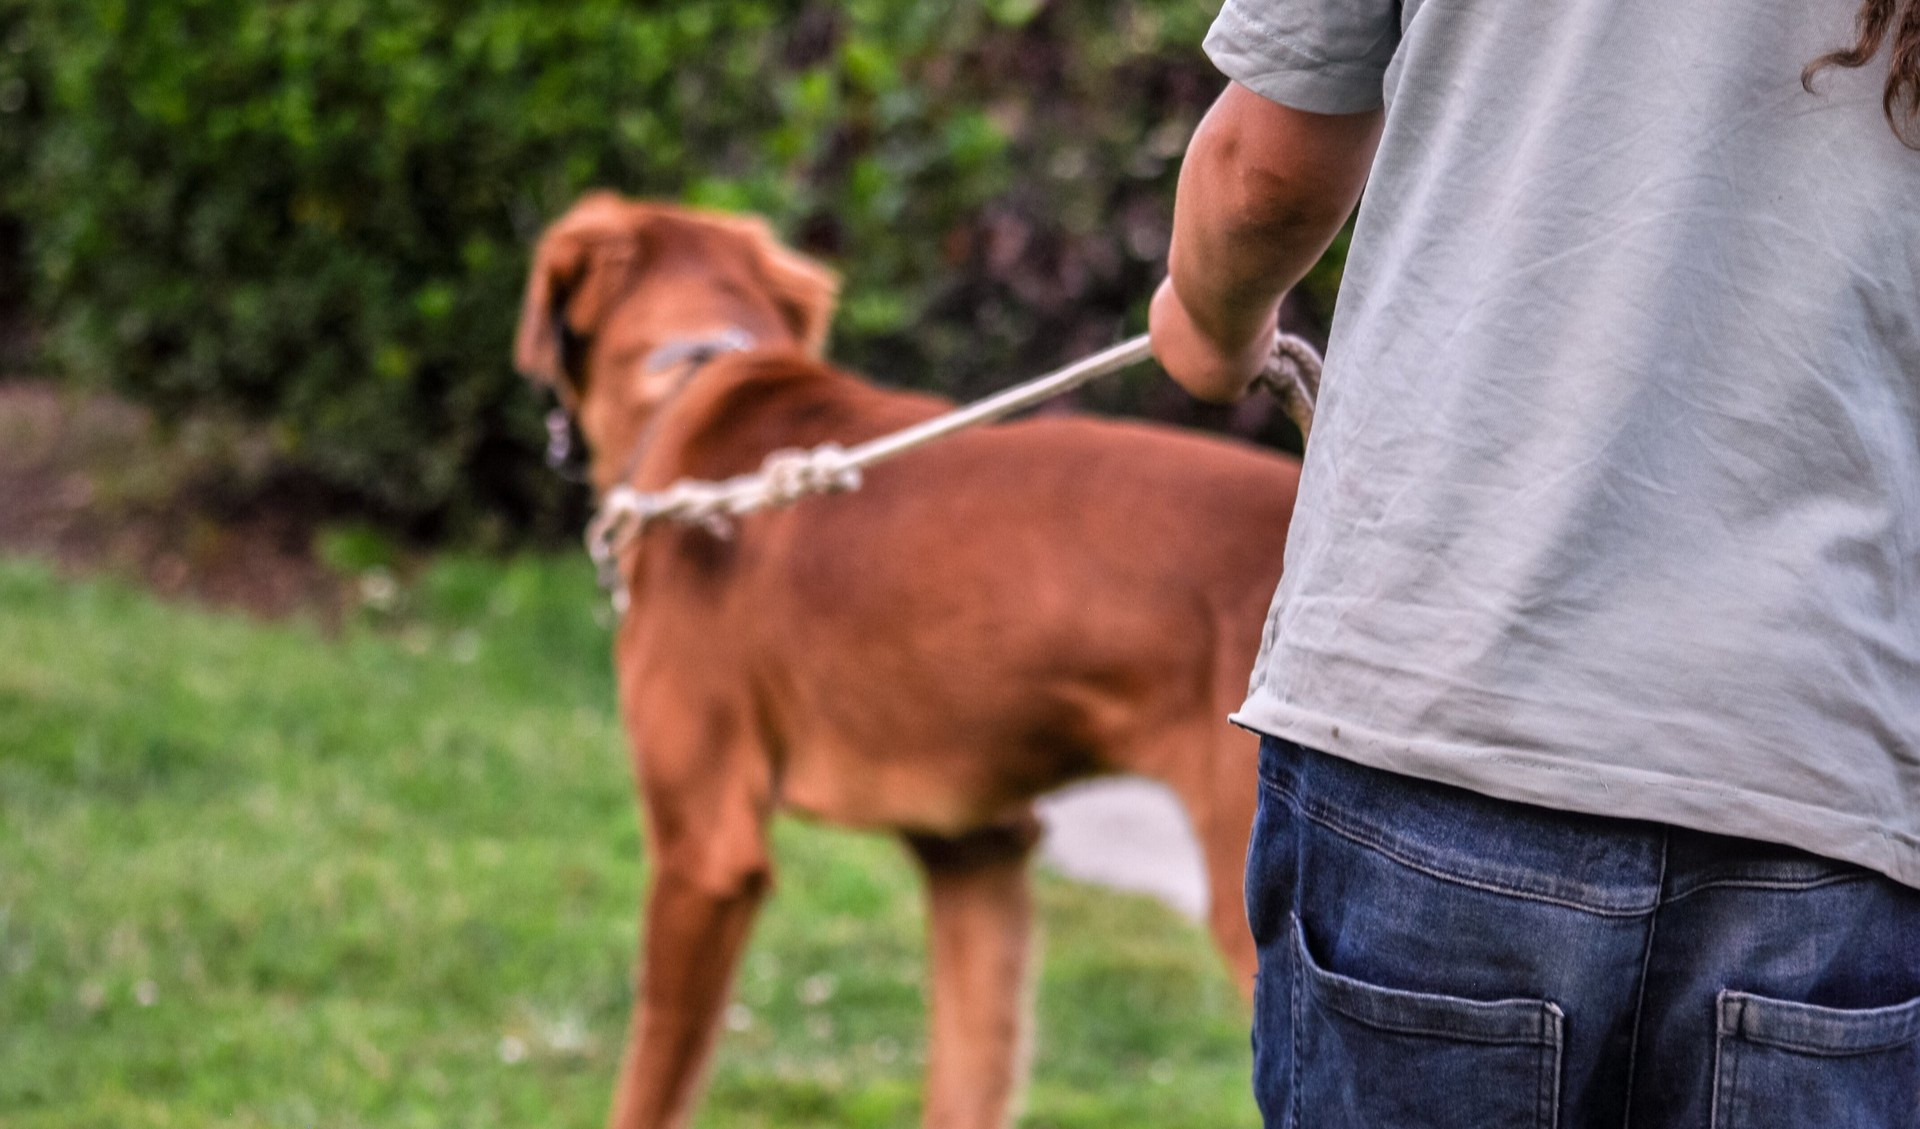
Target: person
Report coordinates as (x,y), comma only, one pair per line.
(1590,698)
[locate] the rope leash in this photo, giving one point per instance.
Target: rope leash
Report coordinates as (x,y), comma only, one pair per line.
(786,476)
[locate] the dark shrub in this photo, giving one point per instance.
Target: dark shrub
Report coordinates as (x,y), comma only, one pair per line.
(316,212)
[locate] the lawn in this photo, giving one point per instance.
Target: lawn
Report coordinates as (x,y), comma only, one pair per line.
(263,875)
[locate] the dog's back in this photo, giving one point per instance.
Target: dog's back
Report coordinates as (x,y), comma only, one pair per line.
(986,617)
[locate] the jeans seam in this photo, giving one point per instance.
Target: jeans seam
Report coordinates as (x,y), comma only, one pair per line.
(1293,1020)
(1322,816)
(1640,997)
(1547,1102)
(1781,884)
(1713,1103)
(1900,1033)
(1541,1085)
(1433,1031)
(1720,1059)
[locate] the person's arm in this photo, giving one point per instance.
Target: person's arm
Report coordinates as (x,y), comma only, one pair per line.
(1263,191)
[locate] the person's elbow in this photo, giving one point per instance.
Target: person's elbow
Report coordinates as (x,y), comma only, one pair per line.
(1276,174)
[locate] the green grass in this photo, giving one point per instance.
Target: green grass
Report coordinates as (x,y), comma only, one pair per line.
(252,875)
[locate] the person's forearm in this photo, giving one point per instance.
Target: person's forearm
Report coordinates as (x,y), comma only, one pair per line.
(1263,191)
(1243,233)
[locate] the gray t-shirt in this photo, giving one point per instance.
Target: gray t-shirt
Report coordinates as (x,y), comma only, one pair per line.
(1613,500)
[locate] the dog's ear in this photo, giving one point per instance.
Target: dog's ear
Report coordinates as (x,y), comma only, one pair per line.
(564,297)
(803,288)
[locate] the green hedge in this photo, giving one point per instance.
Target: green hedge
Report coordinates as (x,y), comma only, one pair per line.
(317,212)
(16,120)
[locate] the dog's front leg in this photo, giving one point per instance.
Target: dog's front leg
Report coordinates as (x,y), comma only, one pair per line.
(981,930)
(706,887)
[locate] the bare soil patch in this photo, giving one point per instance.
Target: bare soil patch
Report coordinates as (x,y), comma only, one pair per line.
(94,484)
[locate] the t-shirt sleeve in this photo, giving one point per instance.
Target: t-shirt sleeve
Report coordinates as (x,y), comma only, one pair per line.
(1321,56)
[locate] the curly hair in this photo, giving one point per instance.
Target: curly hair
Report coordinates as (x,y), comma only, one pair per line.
(1878,19)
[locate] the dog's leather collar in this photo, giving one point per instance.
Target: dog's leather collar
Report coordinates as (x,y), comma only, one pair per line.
(692,354)
(697,351)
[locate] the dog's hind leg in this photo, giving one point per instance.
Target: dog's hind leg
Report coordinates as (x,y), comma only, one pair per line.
(711,871)
(981,944)
(1215,770)
(1224,826)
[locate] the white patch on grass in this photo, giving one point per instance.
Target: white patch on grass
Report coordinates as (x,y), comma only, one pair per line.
(817,989)
(1129,834)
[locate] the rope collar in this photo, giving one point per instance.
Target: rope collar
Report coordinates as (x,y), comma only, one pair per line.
(690,355)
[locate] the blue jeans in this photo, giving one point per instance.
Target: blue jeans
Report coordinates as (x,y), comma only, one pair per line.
(1431,957)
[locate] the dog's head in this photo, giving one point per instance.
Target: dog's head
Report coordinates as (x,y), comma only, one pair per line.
(616,281)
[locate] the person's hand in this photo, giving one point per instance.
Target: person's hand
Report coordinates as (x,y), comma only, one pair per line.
(1198,360)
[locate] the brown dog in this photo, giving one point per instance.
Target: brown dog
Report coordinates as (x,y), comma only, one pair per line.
(983,621)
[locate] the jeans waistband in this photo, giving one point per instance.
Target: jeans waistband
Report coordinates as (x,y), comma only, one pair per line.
(1614,867)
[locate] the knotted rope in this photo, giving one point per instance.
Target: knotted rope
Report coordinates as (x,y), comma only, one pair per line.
(786,476)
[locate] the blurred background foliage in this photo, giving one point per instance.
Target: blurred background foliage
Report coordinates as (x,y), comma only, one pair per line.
(316,213)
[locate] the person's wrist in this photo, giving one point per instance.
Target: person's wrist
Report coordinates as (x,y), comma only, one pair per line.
(1211,362)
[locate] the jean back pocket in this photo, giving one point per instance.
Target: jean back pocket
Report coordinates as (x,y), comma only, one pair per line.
(1779,1064)
(1368,1056)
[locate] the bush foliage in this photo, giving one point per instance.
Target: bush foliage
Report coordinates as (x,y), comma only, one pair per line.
(317,212)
